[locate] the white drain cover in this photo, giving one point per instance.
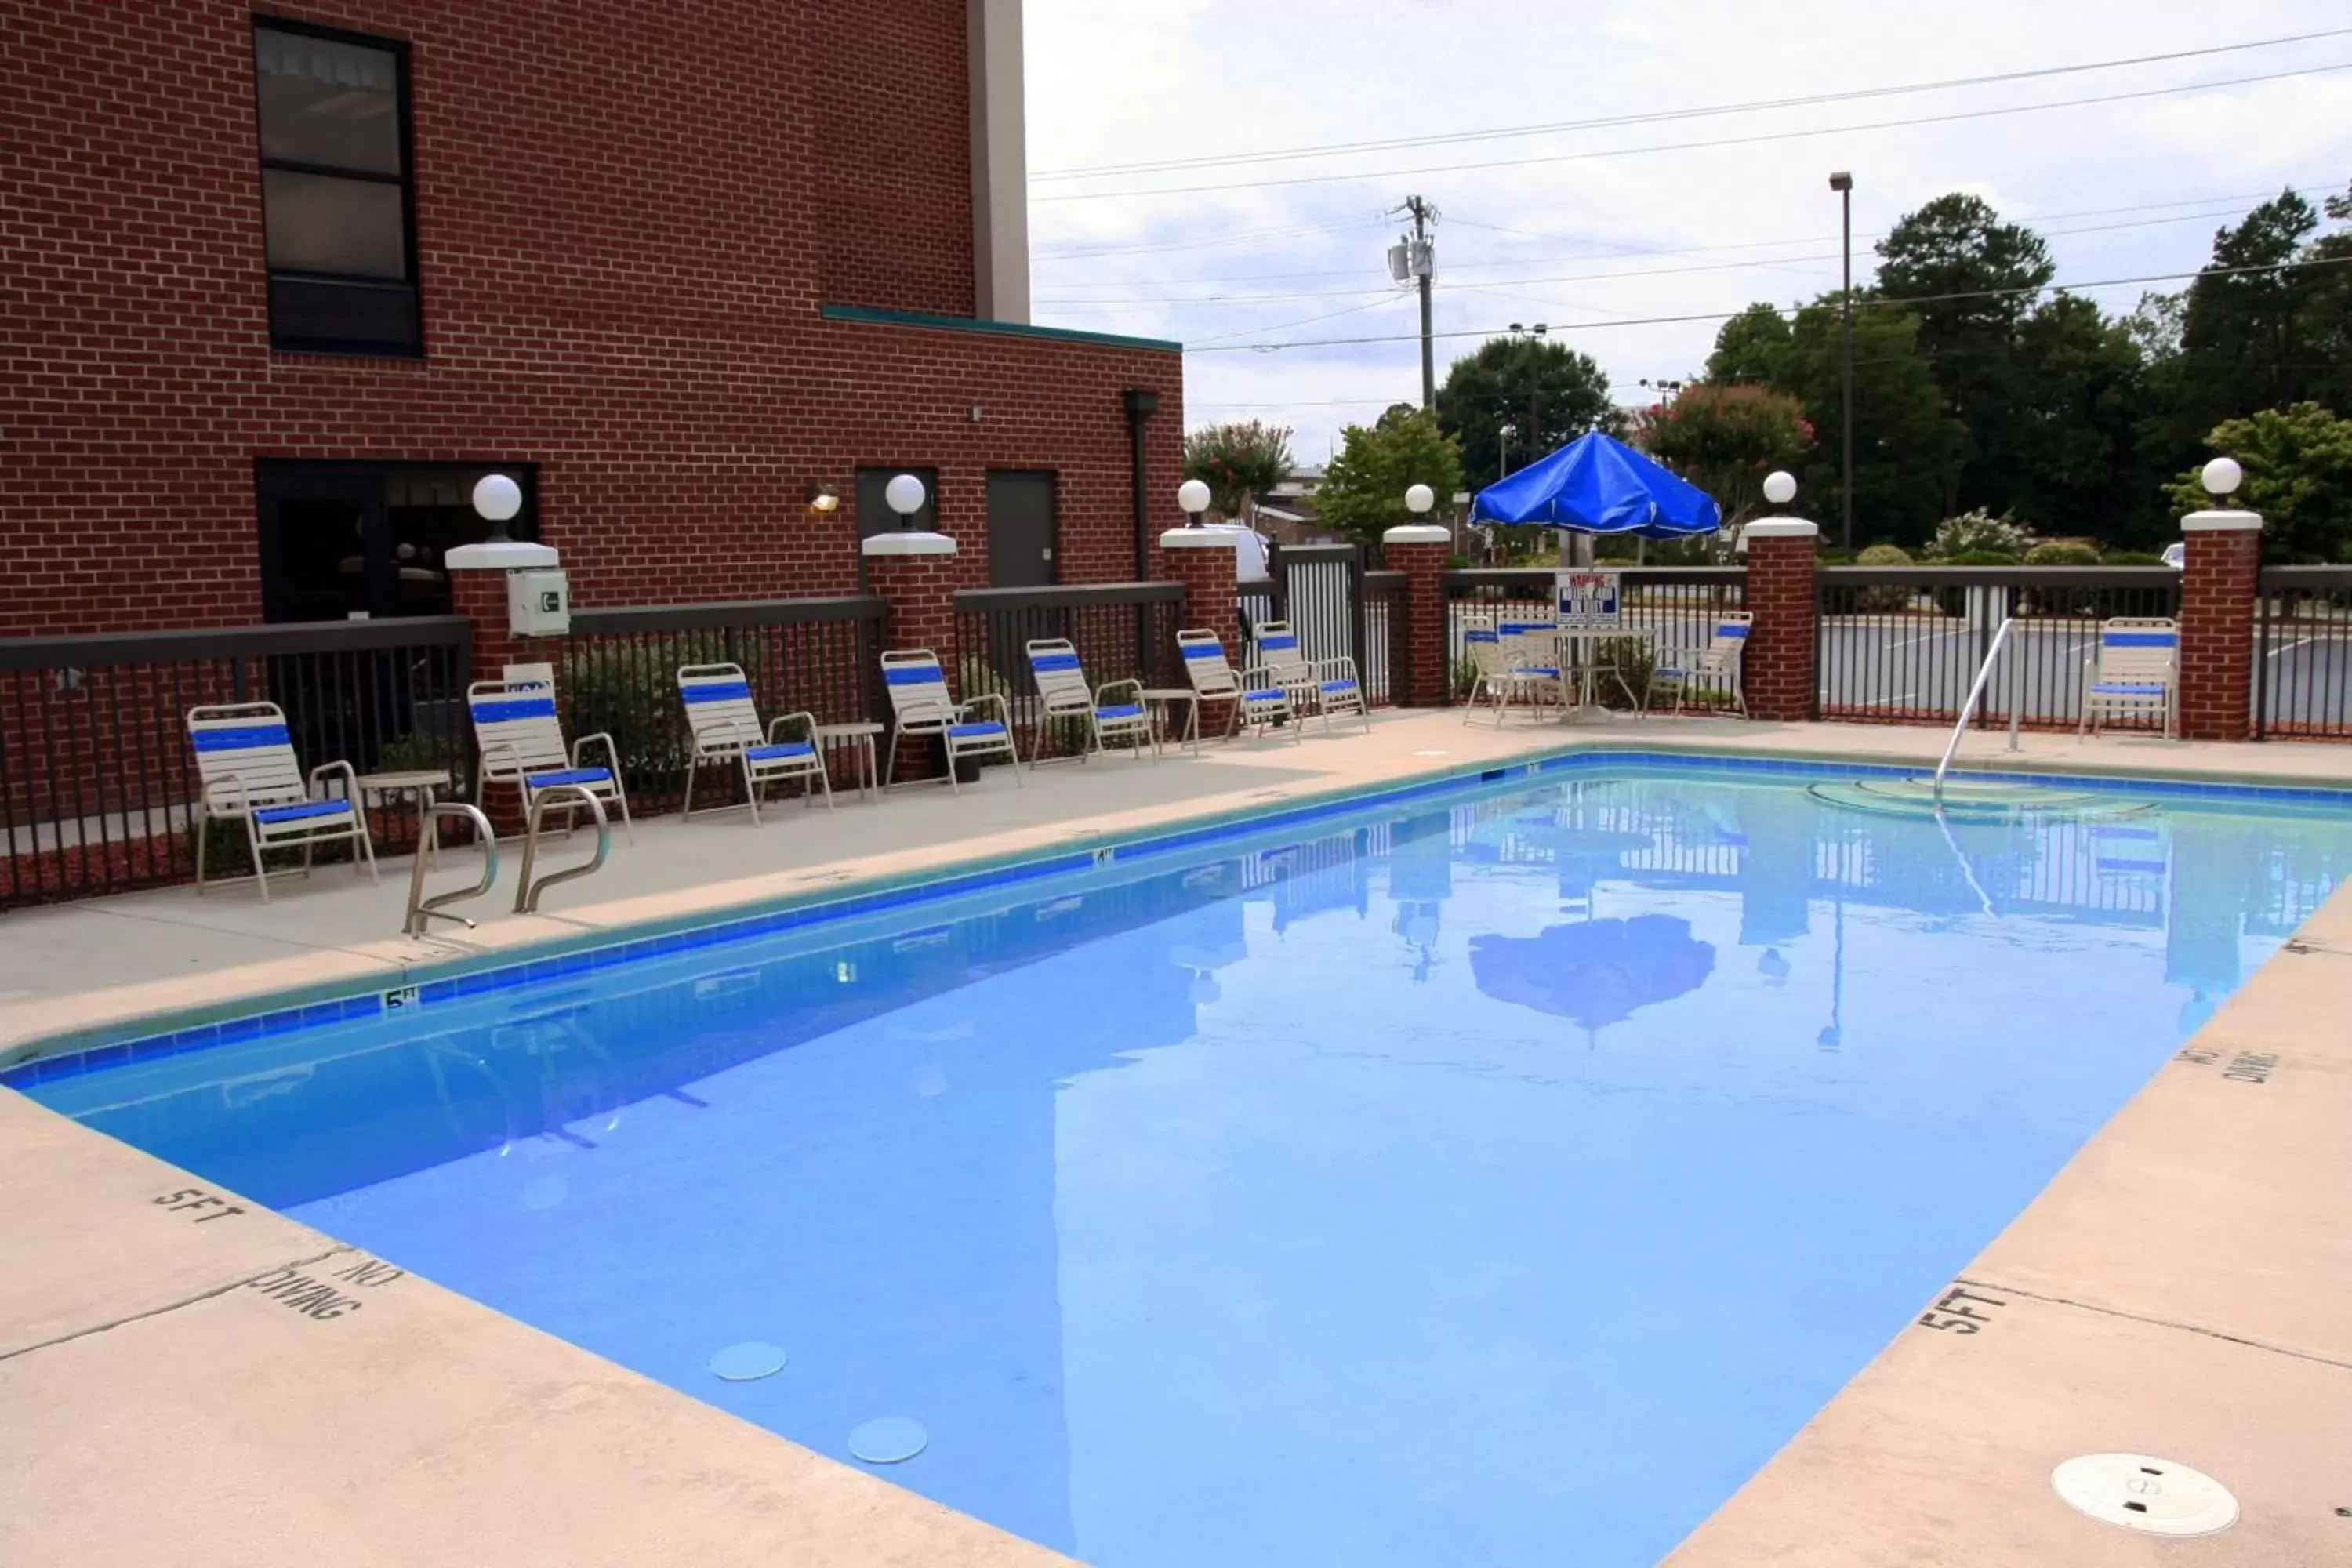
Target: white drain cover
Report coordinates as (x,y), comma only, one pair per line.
(2155,1496)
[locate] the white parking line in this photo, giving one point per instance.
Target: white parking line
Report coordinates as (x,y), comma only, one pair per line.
(2290,647)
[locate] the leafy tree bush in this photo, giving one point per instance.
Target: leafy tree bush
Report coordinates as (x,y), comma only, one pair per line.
(1548,393)
(2130,557)
(1725,439)
(2298,463)
(1239,461)
(1979,533)
(2061,555)
(1885,599)
(1363,487)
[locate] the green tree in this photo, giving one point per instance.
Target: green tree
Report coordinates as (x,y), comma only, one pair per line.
(2298,464)
(2081,396)
(1750,348)
(1547,391)
(1363,487)
(1971,280)
(1907,447)
(1239,461)
(1725,440)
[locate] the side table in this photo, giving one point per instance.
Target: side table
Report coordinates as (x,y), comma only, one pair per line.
(859,735)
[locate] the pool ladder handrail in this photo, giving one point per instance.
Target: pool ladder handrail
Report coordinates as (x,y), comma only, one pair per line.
(422,909)
(526,894)
(1976,695)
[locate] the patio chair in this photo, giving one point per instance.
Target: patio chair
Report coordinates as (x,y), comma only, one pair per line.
(1328,686)
(1532,649)
(246,762)
(2133,673)
(1714,668)
(921,704)
(1500,681)
(1259,701)
(521,745)
(1063,694)
(725,726)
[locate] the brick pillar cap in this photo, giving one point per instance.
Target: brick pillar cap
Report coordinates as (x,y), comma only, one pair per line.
(1201,539)
(908,542)
(1781,528)
(1418,533)
(499,555)
(2221,523)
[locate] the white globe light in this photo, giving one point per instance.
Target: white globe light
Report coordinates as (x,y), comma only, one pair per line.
(904,494)
(1419,498)
(1192,496)
(496,497)
(1780,487)
(2224,476)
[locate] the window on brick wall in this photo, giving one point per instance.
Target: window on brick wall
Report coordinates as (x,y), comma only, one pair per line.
(337,198)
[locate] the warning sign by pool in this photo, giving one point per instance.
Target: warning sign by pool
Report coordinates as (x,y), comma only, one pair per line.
(1589,603)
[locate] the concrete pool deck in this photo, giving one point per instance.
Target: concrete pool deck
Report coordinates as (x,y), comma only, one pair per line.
(173,1395)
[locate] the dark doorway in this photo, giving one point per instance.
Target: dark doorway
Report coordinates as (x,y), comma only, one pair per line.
(1022,533)
(367,541)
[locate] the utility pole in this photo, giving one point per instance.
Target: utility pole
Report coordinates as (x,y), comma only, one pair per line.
(1843,183)
(1415,257)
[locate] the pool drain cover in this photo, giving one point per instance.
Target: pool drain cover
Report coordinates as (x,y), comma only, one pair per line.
(2155,1496)
(748,1361)
(889,1440)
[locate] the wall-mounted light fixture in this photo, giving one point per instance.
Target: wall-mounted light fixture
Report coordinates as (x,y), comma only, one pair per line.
(822,500)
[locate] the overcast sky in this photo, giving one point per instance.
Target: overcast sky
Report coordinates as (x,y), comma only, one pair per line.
(1577,240)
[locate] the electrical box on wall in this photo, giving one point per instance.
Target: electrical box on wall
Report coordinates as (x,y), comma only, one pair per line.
(539,604)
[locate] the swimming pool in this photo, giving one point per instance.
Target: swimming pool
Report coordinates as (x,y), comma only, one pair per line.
(1501,1174)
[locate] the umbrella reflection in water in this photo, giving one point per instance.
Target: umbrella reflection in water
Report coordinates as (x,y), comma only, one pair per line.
(1596,972)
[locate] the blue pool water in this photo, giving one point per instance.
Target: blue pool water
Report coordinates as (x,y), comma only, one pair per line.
(1498,1177)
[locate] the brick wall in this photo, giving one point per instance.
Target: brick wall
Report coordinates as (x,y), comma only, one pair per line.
(2219,581)
(629,216)
(1777,669)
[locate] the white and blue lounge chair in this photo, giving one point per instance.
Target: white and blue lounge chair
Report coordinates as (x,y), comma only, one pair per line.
(1716,667)
(521,745)
(1113,711)
(1259,701)
(921,704)
(2134,673)
(1500,680)
(1324,686)
(246,762)
(725,725)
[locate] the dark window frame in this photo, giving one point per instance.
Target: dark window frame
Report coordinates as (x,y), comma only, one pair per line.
(274,477)
(288,342)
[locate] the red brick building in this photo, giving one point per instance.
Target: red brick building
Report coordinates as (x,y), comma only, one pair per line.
(280,281)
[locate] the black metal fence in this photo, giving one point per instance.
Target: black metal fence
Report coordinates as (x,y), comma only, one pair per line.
(1662,609)
(98,783)
(1387,665)
(1901,645)
(619,674)
(1123,631)
(2303,655)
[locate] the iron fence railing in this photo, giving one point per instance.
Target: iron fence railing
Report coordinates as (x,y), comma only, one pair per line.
(1664,609)
(1900,645)
(1123,631)
(98,783)
(1387,665)
(618,674)
(2302,654)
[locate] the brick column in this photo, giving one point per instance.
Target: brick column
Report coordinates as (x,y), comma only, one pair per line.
(1778,668)
(916,574)
(1203,559)
(1420,551)
(477,591)
(2220,579)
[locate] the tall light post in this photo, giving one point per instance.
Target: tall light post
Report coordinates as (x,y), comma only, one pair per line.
(1502,457)
(1843,183)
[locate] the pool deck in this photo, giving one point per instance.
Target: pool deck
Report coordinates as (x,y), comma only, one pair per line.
(174,1395)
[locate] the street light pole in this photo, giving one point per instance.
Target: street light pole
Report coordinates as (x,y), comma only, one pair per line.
(1843,183)
(1425,263)
(1503,458)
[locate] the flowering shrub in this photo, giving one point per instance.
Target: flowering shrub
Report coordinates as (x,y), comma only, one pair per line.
(1978,532)
(1725,440)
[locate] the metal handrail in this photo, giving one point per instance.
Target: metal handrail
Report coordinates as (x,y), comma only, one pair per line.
(422,909)
(526,893)
(1976,695)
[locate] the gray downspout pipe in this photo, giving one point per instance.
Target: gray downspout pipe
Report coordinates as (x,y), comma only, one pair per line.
(1142,402)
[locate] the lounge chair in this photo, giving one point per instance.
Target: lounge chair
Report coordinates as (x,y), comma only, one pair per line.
(1326,686)
(245,762)
(2134,673)
(921,704)
(522,747)
(1501,680)
(725,725)
(1113,711)
(1716,667)
(1531,648)
(1259,701)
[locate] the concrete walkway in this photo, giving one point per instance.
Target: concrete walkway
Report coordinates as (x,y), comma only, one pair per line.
(188,1379)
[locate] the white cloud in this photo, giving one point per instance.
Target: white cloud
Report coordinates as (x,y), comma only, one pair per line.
(1110,82)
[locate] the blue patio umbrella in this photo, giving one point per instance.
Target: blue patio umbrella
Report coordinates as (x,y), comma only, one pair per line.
(1597,484)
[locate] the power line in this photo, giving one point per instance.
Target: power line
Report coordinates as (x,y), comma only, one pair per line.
(1237,237)
(1758,139)
(1875,303)
(1496,133)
